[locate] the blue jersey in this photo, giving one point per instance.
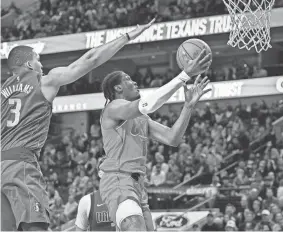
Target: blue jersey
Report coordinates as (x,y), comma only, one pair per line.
(25,113)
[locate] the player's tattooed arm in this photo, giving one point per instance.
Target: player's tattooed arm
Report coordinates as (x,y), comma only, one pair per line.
(133,223)
(93,58)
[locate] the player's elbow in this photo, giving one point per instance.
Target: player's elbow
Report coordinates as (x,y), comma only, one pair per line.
(173,141)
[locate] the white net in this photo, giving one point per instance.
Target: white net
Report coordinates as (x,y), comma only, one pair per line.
(250,21)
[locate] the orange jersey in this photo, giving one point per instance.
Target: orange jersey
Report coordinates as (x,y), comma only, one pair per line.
(126,146)
(25,113)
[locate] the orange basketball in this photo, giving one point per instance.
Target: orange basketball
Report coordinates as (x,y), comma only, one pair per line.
(190,48)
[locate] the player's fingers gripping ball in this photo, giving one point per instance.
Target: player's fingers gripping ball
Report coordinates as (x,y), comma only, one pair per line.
(189,50)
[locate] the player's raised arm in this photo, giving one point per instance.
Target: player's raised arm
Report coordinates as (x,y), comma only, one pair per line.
(173,136)
(93,58)
(121,109)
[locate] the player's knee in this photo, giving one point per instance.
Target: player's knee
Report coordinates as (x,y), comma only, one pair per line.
(34,226)
(129,216)
(133,223)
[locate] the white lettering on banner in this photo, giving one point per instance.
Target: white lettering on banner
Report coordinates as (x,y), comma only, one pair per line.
(186,28)
(146,36)
(164,31)
(115,33)
(159,31)
(219,24)
(176,27)
(227,90)
(95,39)
(69,107)
(220,90)
(201,191)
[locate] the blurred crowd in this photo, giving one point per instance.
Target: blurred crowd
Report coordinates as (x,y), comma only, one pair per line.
(152,80)
(54,17)
(215,136)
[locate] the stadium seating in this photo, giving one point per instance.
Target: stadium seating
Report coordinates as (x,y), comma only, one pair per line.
(233,146)
(54,17)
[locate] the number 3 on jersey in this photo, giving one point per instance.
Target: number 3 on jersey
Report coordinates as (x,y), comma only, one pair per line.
(16,103)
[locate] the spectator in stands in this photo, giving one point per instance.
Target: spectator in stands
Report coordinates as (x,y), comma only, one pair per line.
(203,170)
(215,181)
(95,131)
(183,163)
(226,183)
(241,178)
(174,174)
(70,178)
(52,194)
(270,199)
(57,209)
(159,158)
(80,182)
(244,204)
(90,165)
(70,208)
(231,226)
(254,195)
(158,177)
(278,217)
(210,224)
(248,221)
(256,207)
(64,17)
(231,211)
(54,179)
(265,224)
(259,72)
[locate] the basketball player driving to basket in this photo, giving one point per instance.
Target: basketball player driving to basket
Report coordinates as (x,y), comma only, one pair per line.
(126,129)
(26,109)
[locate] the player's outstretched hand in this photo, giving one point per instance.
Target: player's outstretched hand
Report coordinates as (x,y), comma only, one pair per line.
(139,30)
(198,65)
(193,94)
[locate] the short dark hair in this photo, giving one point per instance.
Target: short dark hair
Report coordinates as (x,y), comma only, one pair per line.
(210,215)
(19,55)
(108,84)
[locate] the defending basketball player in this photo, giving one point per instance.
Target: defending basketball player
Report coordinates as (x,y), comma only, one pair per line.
(92,213)
(126,129)
(26,109)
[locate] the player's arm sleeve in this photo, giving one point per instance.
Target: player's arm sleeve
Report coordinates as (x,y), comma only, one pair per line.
(82,215)
(89,61)
(121,109)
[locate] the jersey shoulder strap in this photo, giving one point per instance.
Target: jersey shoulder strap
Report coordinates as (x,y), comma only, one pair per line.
(92,202)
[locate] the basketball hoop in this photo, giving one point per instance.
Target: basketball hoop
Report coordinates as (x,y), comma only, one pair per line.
(250,23)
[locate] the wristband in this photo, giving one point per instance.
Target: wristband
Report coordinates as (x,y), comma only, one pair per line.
(184,77)
(127,35)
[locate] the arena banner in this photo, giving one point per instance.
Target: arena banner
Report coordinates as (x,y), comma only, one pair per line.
(163,221)
(193,191)
(158,32)
(176,221)
(220,90)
